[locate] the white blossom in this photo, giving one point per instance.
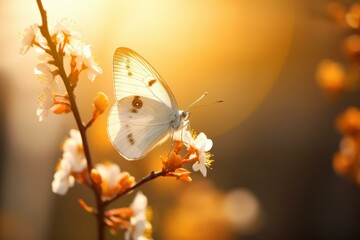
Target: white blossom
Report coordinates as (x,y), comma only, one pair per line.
(46,76)
(45,103)
(48,102)
(63,179)
(28,39)
(83,57)
(183,135)
(110,173)
(88,62)
(74,48)
(74,151)
(64,27)
(110,176)
(139,222)
(202,144)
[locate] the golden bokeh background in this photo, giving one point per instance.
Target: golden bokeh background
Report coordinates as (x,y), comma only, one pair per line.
(273,135)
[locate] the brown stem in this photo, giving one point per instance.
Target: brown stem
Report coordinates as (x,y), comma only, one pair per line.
(93,119)
(58,61)
(70,90)
(150,177)
(100,219)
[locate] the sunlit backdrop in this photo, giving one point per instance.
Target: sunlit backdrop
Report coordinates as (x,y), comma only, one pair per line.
(273,135)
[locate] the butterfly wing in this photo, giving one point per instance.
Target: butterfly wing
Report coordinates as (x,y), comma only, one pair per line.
(135,129)
(137,124)
(134,76)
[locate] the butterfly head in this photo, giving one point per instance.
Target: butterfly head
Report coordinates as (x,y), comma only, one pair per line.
(184,118)
(180,119)
(184,115)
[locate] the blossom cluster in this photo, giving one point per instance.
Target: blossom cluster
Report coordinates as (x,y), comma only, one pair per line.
(135,220)
(109,182)
(57,45)
(108,178)
(72,164)
(70,47)
(198,147)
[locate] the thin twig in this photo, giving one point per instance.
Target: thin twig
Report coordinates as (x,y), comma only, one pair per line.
(148,178)
(58,61)
(70,90)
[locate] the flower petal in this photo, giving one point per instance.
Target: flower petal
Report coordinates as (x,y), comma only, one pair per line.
(199,166)
(208,145)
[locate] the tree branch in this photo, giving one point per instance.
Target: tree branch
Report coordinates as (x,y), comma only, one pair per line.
(148,178)
(70,90)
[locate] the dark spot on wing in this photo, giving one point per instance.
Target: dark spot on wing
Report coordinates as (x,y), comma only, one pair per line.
(151,82)
(131,139)
(127,66)
(137,103)
(130,74)
(133,110)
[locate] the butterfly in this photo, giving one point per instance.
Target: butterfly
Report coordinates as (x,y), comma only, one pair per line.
(146,112)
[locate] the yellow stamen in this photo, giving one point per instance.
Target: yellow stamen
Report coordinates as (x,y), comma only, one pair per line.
(208,160)
(148,228)
(193,133)
(42,99)
(148,232)
(42,78)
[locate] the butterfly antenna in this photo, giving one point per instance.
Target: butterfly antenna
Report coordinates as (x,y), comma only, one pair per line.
(199,99)
(206,104)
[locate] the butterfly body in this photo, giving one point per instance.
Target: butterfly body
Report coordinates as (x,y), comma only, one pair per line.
(146,112)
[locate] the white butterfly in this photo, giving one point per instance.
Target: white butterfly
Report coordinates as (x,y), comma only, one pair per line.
(146,112)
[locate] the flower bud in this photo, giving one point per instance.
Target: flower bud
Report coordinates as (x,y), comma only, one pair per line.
(181,174)
(172,162)
(101,101)
(126,182)
(60,108)
(95,176)
(86,207)
(185,178)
